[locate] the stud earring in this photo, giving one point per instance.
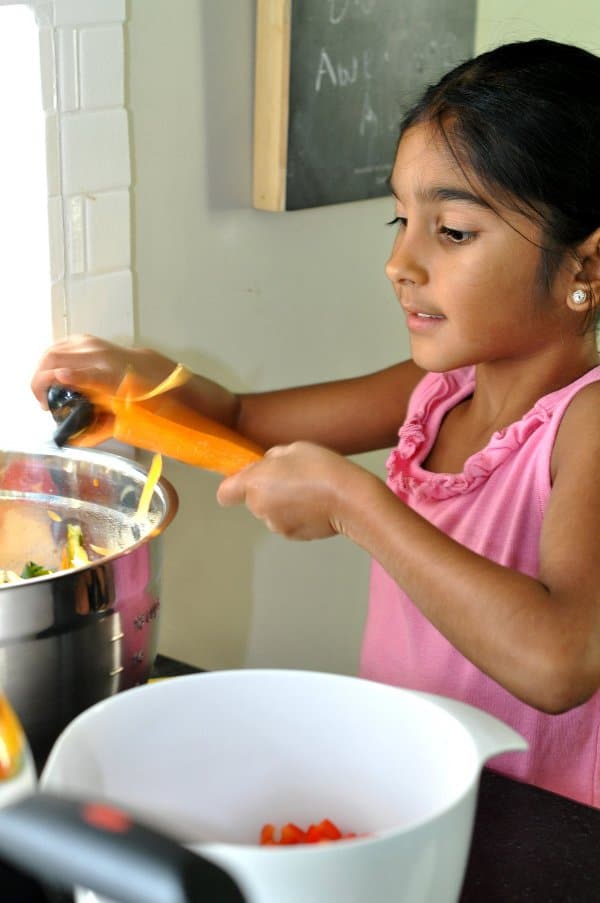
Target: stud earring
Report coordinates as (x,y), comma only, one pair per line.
(579,296)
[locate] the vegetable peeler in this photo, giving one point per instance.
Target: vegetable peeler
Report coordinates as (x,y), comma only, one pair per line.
(71,410)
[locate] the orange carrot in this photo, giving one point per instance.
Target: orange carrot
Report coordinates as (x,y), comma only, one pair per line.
(146,418)
(213,448)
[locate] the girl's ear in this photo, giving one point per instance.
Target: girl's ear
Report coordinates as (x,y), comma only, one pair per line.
(584,290)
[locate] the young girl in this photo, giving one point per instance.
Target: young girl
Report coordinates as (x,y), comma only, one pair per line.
(486,577)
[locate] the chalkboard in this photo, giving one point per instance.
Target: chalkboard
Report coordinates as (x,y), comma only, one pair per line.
(333,78)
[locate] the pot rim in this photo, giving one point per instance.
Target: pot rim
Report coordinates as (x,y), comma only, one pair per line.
(99,456)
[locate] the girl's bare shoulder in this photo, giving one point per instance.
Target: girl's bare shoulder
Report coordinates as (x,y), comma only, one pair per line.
(579,431)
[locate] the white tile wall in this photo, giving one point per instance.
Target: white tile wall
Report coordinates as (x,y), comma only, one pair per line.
(107,226)
(95,151)
(53,154)
(89,170)
(108,295)
(88,12)
(47,66)
(57,239)
(59,309)
(75,235)
(102,67)
(66,69)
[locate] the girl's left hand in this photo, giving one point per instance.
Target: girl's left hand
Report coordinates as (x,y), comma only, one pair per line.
(298,490)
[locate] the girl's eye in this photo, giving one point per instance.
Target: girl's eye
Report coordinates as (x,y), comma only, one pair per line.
(397,221)
(457,236)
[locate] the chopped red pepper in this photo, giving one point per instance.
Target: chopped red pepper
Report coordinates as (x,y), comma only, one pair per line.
(313,835)
(267,835)
(291,833)
(329,830)
(324,832)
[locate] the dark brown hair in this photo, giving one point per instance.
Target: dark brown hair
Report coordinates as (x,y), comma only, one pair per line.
(525,119)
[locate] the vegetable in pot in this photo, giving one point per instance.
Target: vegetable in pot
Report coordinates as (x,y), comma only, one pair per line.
(74,555)
(32,569)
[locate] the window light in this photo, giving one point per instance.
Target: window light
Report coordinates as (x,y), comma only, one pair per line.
(24,253)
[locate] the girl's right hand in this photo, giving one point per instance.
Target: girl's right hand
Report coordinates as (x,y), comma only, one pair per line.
(84,362)
(304,491)
(90,365)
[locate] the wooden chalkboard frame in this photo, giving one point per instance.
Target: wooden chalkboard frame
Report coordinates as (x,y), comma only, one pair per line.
(333,79)
(271,102)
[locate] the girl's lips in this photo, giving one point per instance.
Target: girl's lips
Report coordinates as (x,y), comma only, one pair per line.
(421,322)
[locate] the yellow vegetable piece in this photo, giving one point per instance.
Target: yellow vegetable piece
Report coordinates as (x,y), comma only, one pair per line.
(100,550)
(76,553)
(151,481)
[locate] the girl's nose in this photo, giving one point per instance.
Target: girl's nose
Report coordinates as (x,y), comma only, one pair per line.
(404,265)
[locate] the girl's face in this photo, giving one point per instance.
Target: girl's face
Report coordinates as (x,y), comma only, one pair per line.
(466,276)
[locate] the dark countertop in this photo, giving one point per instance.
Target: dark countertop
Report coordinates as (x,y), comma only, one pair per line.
(529,846)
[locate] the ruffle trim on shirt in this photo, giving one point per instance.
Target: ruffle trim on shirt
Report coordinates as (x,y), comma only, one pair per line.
(405,473)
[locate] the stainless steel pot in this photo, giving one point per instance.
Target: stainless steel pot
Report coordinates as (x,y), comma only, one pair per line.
(72,638)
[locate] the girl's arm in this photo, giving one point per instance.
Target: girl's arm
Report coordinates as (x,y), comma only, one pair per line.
(352,415)
(539,638)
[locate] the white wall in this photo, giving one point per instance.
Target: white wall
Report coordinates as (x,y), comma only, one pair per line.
(576,22)
(254,299)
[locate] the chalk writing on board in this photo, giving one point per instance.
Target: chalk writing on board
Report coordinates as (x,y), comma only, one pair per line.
(355,67)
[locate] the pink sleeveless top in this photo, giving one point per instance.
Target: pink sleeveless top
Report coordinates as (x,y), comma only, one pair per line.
(494,507)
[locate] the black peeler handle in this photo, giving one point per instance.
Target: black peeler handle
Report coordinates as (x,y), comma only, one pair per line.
(98,846)
(72,411)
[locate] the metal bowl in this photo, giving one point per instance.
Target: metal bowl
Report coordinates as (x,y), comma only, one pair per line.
(74,637)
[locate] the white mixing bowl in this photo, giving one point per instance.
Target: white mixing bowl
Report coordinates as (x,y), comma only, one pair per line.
(213,757)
